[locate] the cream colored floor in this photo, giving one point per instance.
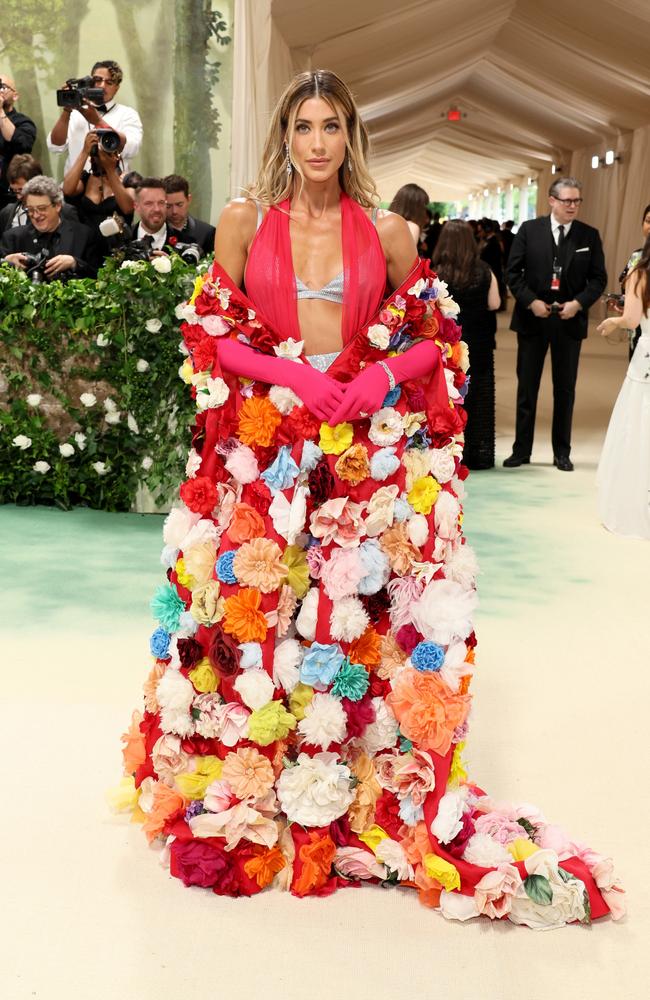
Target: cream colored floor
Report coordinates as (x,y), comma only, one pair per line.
(559,719)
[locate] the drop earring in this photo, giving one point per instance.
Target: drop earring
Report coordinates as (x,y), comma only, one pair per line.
(288,163)
(349,163)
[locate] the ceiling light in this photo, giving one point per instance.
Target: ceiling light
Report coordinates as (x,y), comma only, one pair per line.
(611,157)
(532,180)
(557,168)
(595,162)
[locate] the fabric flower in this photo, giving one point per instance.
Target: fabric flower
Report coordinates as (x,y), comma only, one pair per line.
(175,695)
(199,494)
(224,567)
(379,335)
(377,568)
(482,850)
(382,733)
(441,871)
(423,494)
(284,399)
(248,773)
(311,456)
(428,656)
(442,464)
(255,688)
(286,664)
(320,664)
(446,516)
(334,440)
(352,681)
(400,550)
(243,618)
(203,677)
(427,711)
(380,510)
(258,564)
(281,474)
(493,894)
(444,611)
(240,822)
(213,394)
(299,699)
(567,902)
(306,618)
(245,523)
(207,607)
(316,790)
(385,427)
(461,566)
(296,569)
(348,620)
(408,775)
(167,606)
(449,817)
(355,863)
(339,521)
(289,515)
(258,421)
(270,723)
(384,463)
(223,653)
(242,465)
(324,721)
(341,573)
(159,643)
(353,465)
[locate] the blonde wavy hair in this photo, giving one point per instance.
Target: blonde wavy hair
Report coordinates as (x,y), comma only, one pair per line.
(273,183)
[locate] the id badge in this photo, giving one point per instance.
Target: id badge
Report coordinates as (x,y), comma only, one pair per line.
(555,277)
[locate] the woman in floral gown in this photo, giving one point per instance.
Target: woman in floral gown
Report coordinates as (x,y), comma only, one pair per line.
(307,707)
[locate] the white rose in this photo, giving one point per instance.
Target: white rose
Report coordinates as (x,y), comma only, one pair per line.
(379,335)
(66,450)
(132,423)
(142,365)
(449,818)
(283,399)
(100,468)
(81,440)
(153,325)
(110,405)
(442,464)
(88,399)
(34,399)
(286,664)
(177,525)
(316,790)
(41,467)
(392,854)
(131,265)
(147,462)
(102,340)
(255,688)
(162,265)
(566,906)
(112,417)
(22,441)
(214,394)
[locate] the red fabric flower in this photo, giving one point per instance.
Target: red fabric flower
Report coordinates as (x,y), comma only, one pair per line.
(190,652)
(376,604)
(387,814)
(199,494)
(360,714)
(258,495)
(408,638)
(303,423)
(458,844)
(204,862)
(263,339)
(224,653)
(321,484)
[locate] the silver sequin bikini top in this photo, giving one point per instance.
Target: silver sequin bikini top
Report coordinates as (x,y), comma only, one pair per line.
(331,292)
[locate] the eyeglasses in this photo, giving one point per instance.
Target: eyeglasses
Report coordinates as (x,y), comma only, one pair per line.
(568,201)
(38,210)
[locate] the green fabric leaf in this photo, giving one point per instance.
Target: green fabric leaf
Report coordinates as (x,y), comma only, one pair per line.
(538,888)
(528,827)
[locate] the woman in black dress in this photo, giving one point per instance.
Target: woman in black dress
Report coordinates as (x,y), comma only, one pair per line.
(97,193)
(474,287)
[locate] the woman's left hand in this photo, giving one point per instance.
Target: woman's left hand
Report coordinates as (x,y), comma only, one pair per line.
(608,326)
(363,395)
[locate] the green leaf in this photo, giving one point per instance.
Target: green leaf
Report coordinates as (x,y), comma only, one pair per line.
(528,827)
(565,875)
(587,917)
(538,888)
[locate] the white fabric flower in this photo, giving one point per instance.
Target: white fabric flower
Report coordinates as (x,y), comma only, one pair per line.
(455,666)
(100,468)
(147,462)
(80,440)
(112,417)
(461,565)
(142,365)
(177,524)
(153,325)
(306,620)
(419,286)
(452,391)
(162,265)
(380,734)
(289,517)
(214,326)
(289,348)
(214,394)
(442,463)
(349,619)
(449,818)
(204,532)
(286,664)
(379,335)
(22,441)
(456,906)
(175,695)
(324,722)
(568,897)
(444,611)
(185,311)
(255,688)
(385,427)
(66,450)
(316,790)
(392,854)
(102,340)
(88,399)
(34,399)
(446,512)
(193,463)
(132,424)
(41,467)
(418,529)
(482,850)
(283,398)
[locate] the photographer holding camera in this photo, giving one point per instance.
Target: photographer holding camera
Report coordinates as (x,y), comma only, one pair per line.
(17,134)
(48,246)
(98,193)
(90,103)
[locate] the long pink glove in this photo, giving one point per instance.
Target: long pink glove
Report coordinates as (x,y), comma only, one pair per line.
(320,393)
(365,394)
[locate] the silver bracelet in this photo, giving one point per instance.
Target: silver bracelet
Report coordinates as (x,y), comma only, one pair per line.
(391,378)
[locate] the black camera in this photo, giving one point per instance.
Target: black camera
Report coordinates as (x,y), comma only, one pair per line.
(138,249)
(107,140)
(190,253)
(79,91)
(35,265)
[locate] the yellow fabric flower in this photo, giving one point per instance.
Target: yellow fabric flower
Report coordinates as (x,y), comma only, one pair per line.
(199,563)
(186,371)
(335,440)
(198,287)
(123,797)
(522,848)
(270,723)
(299,698)
(207,606)
(373,837)
(442,871)
(184,578)
(295,559)
(195,785)
(203,677)
(424,494)
(457,772)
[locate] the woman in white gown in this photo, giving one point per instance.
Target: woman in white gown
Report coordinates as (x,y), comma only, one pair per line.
(624,469)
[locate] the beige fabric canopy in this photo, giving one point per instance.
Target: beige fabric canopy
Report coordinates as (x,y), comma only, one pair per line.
(537,84)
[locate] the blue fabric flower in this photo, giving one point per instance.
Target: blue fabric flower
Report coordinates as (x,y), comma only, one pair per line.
(281,473)
(251,655)
(376,565)
(311,456)
(428,657)
(159,643)
(321,664)
(351,682)
(392,396)
(421,439)
(224,567)
(383,464)
(402,510)
(167,606)
(409,813)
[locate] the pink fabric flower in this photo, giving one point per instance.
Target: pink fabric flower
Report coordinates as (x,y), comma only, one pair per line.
(341,573)
(499,827)
(493,894)
(315,561)
(242,464)
(339,521)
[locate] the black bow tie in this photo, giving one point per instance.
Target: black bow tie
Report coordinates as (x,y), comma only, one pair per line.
(101,108)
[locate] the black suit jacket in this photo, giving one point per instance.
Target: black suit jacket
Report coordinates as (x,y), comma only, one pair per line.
(196,231)
(73,238)
(530,269)
(22,141)
(7,213)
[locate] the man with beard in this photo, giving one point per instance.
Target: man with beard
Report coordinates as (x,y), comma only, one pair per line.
(17,133)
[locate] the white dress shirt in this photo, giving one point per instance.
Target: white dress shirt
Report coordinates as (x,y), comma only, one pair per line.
(159,238)
(117,116)
(555,228)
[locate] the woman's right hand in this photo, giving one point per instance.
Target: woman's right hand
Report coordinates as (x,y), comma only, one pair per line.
(90,142)
(321,394)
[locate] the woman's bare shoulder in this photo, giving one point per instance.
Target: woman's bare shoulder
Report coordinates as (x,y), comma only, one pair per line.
(240,214)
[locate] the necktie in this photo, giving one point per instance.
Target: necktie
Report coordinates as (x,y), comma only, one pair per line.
(560,241)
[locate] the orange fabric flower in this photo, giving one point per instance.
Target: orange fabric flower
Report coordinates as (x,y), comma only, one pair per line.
(353,465)
(258,421)
(362,811)
(248,772)
(400,550)
(258,563)
(166,802)
(429,326)
(426,709)
(392,657)
(243,617)
(150,686)
(465,683)
(245,523)
(264,865)
(133,752)
(366,649)
(316,857)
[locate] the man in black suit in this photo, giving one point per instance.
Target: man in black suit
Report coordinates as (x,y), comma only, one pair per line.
(17,133)
(151,207)
(70,246)
(556,271)
(186,228)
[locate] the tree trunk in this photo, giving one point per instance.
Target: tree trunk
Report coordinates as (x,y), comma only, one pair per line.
(22,65)
(193,112)
(66,56)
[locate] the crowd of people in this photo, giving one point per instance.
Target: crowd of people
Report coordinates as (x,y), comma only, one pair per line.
(57,231)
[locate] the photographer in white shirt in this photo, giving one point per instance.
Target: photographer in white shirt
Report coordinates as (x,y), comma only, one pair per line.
(72,125)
